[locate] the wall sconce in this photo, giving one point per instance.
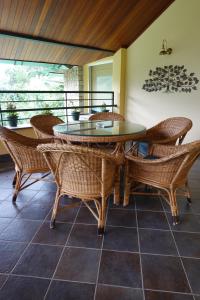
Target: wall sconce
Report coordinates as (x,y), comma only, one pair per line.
(165,50)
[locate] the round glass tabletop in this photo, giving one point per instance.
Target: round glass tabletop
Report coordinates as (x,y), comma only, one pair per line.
(98,130)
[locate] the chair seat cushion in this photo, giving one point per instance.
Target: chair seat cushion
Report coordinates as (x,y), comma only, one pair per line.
(143,148)
(152,157)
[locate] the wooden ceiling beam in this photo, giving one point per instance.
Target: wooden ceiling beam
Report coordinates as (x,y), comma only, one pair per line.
(7,34)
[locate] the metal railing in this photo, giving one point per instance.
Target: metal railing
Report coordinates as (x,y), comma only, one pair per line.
(59,103)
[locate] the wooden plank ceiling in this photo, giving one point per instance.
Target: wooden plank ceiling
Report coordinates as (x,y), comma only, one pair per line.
(72,31)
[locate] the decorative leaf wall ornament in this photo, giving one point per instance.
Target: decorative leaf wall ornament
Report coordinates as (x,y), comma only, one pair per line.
(170,79)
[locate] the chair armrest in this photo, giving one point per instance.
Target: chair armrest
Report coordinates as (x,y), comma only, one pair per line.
(33,143)
(163,150)
(117,158)
(161,160)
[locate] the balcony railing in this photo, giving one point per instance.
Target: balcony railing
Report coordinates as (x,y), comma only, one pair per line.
(59,103)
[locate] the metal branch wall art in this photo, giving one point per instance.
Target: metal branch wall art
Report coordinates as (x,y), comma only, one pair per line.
(170,79)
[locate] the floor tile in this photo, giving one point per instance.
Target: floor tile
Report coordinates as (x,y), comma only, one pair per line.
(56,236)
(24,197)
(70,291)
(10,210)
(157,242)
(34,212)
(192,267)
(164,273)
(120,268)
(44,197)
(65,200)
(48,186)
(195,206)
(4,222)
(85,236)
(23,288)
(20,230)
(9,254)
(120,275)
(67,215)
(131,204)
(36,186)
(188,243)
(148,203)
(121,217)
(5,194)
(79,264)
(39,260)
(85,216)
(183,205)
(3,278)
(152,295)
(154,220)
(121,239)
(105,292)
(188,222)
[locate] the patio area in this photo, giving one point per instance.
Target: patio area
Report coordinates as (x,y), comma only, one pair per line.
(107,88)
(140,254)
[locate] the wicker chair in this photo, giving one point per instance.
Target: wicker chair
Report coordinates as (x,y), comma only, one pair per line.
(82,172)
(167,173)
(110,116)
(27,159)
(168,132)
(43,124)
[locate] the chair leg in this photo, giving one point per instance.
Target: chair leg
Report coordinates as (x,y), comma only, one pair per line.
(127,186)
(18,178)
(102,214)
(117,188)
(55,209)
(14,179)
(188,193)
(174,208)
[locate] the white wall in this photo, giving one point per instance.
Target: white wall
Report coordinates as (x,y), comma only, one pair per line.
(180,25)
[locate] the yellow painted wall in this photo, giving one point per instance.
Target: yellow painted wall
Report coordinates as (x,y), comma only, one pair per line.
(25,131)
(179,24)
(119,80)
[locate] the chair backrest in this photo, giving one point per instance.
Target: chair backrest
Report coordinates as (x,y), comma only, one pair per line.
(107,116)
(23,150)
(176,161)
(191,153)
(169,131)
(43,125)
(81,171)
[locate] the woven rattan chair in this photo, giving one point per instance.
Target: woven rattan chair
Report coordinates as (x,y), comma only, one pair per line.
(82,172)
(107,116)
(169,132)
(167,173)
(27,159)
(43,125)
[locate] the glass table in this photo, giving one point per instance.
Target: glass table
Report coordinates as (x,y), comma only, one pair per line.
(103,134)
(99,131)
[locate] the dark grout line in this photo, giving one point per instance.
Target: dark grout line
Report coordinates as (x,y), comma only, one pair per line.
(51,280)
(139,249)
(180,257)
(100,257)
(24,251)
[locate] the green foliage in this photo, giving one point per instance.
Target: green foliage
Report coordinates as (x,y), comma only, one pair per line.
(12,107)
(103,107)
(32,78)
(47,110)
(75,109)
